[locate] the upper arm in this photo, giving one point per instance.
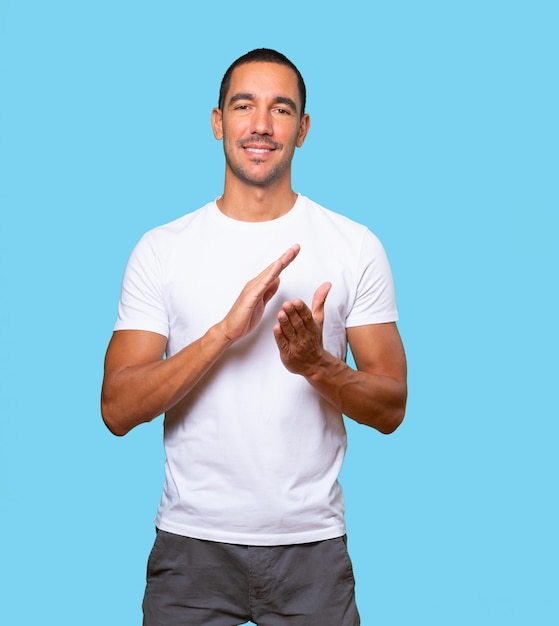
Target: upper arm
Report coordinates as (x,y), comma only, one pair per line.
(133,347)
(127,348)
(378,349)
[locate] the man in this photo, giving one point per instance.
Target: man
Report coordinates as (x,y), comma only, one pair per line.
(254,383)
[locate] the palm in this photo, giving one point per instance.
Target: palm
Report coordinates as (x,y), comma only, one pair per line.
(249,307)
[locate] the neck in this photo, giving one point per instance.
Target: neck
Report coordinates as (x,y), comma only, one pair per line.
(250,203)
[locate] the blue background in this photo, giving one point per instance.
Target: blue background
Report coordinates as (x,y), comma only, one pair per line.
(436,124)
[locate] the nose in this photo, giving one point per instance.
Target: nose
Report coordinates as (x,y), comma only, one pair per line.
(261,122)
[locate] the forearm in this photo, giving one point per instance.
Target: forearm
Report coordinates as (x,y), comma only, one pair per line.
(138,393)
(371,399)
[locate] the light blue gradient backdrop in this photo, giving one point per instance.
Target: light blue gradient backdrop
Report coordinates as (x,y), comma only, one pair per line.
(436,124)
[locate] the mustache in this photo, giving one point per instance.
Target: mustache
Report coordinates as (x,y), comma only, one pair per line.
(257,139)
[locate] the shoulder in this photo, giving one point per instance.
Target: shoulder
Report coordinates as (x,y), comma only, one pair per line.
(168,236)
(177,227)
(318,211)
(356,233)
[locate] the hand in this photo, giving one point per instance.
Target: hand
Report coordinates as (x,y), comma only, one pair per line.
(249,306)
(298,332)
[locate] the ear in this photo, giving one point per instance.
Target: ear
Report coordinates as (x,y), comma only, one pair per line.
(217,123)
(304,126)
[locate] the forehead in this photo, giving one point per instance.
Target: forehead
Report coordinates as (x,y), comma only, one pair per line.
(264,80)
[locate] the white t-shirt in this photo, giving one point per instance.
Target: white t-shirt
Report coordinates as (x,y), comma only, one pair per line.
(253,452)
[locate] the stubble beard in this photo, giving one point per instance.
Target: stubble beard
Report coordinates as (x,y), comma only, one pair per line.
(268,177)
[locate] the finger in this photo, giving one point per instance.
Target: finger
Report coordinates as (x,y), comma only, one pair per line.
(318,301)
(270,291)
(290,255)
(282,341)
(264,283)
(277,267)
(267,282)
(280,337)
(299,315)
(286,323)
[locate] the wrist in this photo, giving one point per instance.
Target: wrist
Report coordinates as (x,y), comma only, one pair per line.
(323,368)
(216,339)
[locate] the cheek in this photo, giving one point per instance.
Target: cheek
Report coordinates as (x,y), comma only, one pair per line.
(233,132)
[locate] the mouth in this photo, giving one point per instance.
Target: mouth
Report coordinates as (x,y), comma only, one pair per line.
(259,147)
(258,150)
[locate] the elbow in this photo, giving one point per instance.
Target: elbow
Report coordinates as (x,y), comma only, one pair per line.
(111,421)
(392,421)
(395,416)
(385,421)
(119,419)
(115,429)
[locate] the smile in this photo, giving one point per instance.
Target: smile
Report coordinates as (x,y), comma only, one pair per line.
(259,150)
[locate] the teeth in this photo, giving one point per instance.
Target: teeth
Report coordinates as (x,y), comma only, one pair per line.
(258,150)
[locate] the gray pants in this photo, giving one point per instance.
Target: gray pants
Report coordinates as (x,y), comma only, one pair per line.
(191,582)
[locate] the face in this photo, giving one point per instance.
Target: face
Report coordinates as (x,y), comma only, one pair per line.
(261,123)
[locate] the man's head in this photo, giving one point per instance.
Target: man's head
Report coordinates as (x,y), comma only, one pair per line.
(262,55)
(260,118)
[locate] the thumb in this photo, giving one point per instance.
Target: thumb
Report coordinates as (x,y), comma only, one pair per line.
(270,292)
(318,302)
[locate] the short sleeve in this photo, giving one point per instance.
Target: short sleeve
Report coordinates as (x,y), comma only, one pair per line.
(141,305)
(375,301)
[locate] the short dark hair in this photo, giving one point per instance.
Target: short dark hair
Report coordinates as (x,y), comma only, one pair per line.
(262,55)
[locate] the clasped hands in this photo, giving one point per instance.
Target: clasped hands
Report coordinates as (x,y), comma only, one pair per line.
(298,331)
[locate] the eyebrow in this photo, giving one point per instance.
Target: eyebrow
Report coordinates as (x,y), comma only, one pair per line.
(249,96)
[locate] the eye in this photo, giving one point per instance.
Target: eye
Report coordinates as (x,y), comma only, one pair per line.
(283,111)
